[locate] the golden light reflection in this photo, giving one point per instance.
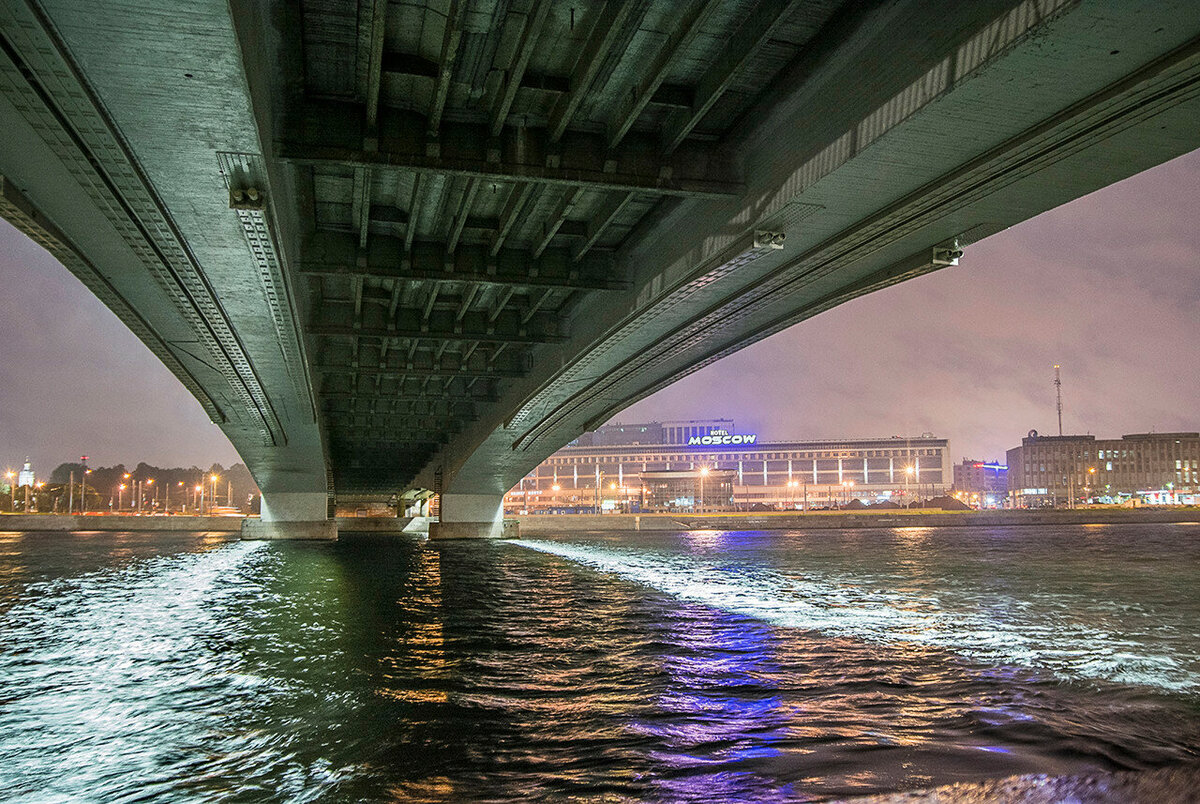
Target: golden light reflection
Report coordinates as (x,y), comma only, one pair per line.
(420,651)
(433,788)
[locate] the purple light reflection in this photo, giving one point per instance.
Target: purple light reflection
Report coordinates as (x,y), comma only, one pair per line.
(720,720)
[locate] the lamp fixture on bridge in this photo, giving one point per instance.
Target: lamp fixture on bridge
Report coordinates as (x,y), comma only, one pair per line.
(766,239)
(946,255)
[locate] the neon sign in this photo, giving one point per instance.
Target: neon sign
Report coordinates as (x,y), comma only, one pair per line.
(721,438)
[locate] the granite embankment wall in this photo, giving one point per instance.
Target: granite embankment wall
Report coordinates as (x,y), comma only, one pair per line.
(550,524)
(212,524)
(62,522)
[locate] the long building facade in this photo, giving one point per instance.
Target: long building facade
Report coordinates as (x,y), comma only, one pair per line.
(1156,468)
(775,474)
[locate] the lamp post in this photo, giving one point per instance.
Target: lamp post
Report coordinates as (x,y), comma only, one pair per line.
(12,490)
(120,497)
(792,486)
(703,474)
(83,489)
(908,473)
(1091,480)
(199,505)
(213,497)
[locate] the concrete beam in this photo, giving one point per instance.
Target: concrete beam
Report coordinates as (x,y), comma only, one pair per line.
(330,134)
(337,254)
(741,46)
(468,331)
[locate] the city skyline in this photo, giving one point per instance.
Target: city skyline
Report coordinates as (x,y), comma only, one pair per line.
(1103,286)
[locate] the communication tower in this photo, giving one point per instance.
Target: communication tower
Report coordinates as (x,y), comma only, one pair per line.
(1058,394)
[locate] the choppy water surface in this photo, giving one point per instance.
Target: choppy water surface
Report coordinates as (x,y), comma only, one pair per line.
(708,666)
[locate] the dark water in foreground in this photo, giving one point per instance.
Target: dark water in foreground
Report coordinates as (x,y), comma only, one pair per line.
(707,666)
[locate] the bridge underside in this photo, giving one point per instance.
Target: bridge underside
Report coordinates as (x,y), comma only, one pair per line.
(417,247)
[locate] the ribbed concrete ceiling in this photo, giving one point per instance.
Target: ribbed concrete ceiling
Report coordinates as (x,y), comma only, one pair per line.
(469,169)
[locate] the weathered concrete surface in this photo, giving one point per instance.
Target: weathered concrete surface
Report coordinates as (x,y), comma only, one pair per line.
(317,530)
(58,522)
(472,516)
(443,531)
(1129,787)
(402,524)
(578,523)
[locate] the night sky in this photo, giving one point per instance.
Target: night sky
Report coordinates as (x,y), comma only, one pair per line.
(1107,286)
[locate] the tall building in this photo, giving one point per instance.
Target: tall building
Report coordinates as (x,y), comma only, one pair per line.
(25,476)
(1159,468)
(780,474)
(980,483)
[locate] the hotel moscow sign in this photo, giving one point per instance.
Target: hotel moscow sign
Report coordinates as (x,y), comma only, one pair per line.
(721,437)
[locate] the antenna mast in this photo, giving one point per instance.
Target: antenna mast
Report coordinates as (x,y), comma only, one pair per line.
(1058,393)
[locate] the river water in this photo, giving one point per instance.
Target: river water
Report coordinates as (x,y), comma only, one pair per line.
(703,666)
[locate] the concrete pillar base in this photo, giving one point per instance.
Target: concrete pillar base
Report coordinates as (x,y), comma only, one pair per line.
(472,516)
(319,530)
(505,529)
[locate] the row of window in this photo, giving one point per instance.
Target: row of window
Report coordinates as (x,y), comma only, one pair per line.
(773,478)
(749,456)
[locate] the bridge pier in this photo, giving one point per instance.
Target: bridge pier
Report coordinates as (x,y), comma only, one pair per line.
(292,515)
(417,508)
(472,516)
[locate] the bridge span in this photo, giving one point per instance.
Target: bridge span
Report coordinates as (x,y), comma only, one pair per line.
(406,247)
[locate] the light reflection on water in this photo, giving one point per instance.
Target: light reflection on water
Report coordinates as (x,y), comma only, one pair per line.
(1051,631)
(674,667)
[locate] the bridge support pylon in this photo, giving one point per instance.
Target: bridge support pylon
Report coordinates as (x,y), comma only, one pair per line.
(292,515)
(472,516)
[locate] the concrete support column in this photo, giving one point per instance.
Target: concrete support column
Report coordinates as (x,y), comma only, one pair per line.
(292,515)
(472,516)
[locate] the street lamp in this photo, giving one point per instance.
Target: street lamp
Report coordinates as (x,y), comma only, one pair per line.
(213,499)
(908,473)
(120,497)
(703,474)
(83,490)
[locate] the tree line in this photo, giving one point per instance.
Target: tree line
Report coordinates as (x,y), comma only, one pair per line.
(161,488)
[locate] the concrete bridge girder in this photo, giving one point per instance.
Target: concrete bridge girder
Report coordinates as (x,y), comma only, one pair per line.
(859,211)
(324,248)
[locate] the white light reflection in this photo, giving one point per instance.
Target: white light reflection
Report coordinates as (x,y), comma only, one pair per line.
(844,606)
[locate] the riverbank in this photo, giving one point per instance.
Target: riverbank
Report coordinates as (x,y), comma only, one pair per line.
(794,520)
(175,524)
(545,524)
(106,522)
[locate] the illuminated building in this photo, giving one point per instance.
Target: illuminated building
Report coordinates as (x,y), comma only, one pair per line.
(611,435)
(980,483)
(700,490)
(1158,468)
(775,474)
(25,476)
